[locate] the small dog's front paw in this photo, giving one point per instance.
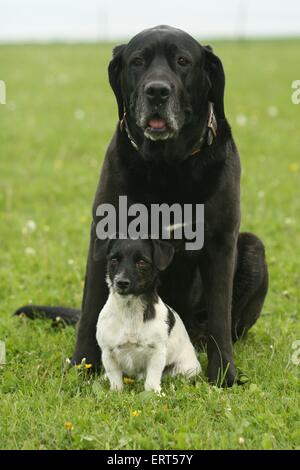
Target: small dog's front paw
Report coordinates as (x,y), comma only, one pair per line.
(152,387)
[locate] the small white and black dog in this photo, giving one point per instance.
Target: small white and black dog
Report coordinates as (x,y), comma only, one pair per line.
(139,335)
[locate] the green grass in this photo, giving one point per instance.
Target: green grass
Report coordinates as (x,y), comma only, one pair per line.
(49,166)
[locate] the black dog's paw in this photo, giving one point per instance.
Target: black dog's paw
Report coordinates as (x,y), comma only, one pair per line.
(226,377)
(90,358)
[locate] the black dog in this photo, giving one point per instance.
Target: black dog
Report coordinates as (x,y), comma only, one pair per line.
(174,144)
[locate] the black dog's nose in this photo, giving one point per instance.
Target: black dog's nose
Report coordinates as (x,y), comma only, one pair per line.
(123,284)
(157,91)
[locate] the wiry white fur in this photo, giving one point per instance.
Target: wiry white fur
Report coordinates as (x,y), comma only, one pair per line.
(141,348)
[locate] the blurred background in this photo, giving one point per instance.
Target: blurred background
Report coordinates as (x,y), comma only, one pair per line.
(94,20)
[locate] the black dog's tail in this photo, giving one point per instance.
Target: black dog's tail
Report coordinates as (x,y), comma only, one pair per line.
(68,315)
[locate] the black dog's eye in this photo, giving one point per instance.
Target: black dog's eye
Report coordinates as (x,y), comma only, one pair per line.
(114,262)
(137,62)
(183,61)
(141,263)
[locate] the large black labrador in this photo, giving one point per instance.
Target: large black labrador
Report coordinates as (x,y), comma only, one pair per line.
(174,144)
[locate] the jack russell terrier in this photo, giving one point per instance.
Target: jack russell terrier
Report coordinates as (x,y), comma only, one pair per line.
(139,335)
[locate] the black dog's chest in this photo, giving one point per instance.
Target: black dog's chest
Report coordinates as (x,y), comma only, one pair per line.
(188,183)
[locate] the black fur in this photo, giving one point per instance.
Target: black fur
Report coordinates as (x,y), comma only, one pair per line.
(171,320)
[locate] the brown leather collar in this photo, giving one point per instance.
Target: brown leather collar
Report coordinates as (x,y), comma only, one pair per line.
(208,134)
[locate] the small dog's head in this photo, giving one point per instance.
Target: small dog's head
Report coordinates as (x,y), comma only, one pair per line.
(133,265)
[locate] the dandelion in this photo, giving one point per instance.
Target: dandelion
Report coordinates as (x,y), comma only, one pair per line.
(136,413)
(68,426)
(294,167)
(87,366)
(58,164)
(128,381)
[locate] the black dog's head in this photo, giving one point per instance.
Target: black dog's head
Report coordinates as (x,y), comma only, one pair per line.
(164,79)
(133,265)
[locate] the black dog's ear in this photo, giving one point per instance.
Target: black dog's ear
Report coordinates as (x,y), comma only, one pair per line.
(163,253)
(216,77)
(101,248)
(114,75)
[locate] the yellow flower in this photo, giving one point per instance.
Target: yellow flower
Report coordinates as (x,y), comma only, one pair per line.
(128,381)
(68,426)
(294,168)
(135,413)
(87,366)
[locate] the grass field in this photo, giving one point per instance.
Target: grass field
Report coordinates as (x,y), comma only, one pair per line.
(54,129)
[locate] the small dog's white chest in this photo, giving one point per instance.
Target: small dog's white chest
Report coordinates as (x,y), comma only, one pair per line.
(132,354)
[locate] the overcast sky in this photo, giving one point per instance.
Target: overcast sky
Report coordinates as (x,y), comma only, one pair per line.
(117,19)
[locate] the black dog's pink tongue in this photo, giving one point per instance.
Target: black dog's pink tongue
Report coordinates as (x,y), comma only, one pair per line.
(157,123)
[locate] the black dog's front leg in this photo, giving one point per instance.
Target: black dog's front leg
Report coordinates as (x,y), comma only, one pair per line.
(94,297)
(218,271)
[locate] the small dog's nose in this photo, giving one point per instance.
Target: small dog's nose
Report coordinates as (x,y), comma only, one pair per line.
(123,284)
(157,91)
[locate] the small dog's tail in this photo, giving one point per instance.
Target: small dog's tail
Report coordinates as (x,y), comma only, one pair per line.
(70,316)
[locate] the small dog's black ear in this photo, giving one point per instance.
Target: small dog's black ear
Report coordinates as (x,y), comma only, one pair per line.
(216,78)
(101,248)
(114,75)
(163,253)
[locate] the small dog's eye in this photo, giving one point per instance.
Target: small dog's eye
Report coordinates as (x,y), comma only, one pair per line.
(141,263)
(113,262)
(183,61)
(138,62)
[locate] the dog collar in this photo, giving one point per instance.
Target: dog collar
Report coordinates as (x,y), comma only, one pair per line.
(209,133)
(124,124)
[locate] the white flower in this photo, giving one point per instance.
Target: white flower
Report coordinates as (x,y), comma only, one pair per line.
(11,105)
(70,262)
(273,111)
(241,120)
(288,221)
(29,227)
(79,114)
(29,251)
(241,440)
